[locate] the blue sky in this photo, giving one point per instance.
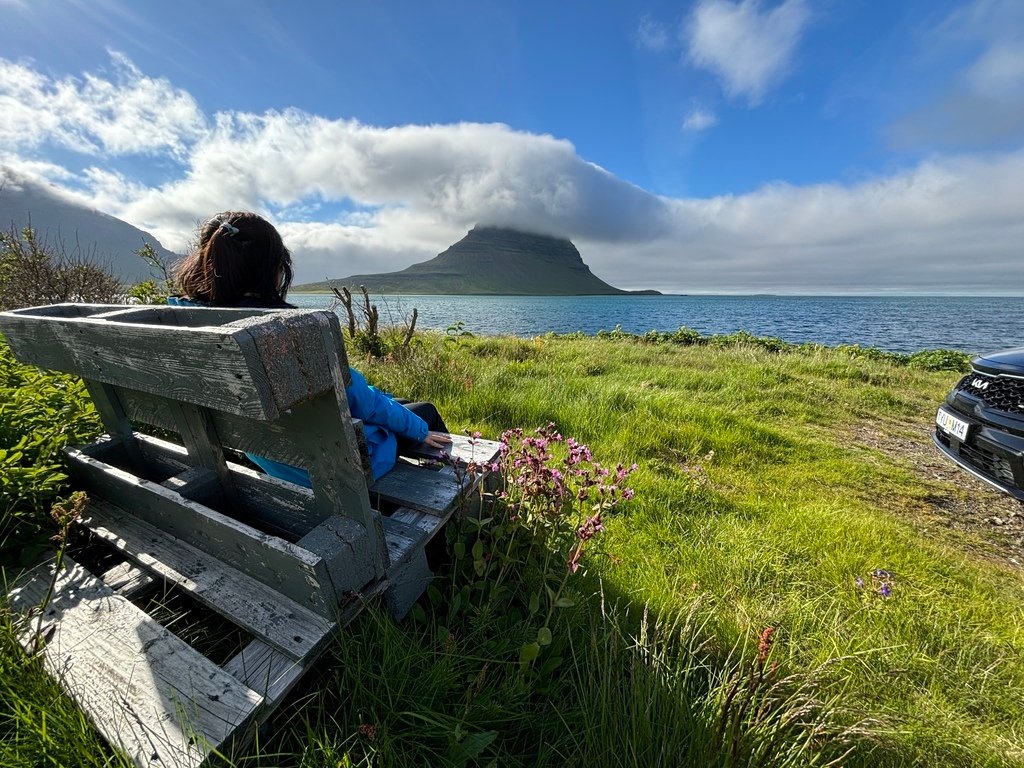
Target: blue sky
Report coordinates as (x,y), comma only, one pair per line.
(714,145)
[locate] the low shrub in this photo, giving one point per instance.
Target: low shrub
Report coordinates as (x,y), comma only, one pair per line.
(34,271)
(40,414)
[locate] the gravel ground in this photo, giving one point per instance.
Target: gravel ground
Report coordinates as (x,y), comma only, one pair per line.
(957,500)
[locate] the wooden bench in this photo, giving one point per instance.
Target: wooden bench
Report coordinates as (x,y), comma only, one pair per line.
(287,564)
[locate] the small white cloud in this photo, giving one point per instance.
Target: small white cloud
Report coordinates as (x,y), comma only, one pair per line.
(651,35)
(699,120)
(750,49)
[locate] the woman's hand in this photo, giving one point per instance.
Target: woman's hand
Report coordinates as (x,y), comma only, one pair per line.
(437,440)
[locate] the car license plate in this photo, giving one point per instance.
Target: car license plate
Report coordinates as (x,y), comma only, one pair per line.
(949,423)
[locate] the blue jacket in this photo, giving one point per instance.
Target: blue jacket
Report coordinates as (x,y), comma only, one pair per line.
(382,419)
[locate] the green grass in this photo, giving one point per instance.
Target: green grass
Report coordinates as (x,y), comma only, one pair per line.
(755,507)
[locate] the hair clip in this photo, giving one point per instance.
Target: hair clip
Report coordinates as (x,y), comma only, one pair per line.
(228,228)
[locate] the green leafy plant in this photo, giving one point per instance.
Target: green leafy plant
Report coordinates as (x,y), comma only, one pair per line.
(518,557)
(40,414)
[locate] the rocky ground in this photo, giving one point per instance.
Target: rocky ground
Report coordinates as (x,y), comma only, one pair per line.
(958,500)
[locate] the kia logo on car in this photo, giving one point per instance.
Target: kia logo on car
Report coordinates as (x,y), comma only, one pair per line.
(979,384)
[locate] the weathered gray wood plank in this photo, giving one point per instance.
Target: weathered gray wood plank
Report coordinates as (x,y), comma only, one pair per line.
(346,552)
(194,483)
(364,451)
(290,346)
(401,539)
(287,568)
(255,607)
(266,670)
(194,365)
(426,523)
(115,420)
(146,690)
(409,574)
(68,309)
(418,488)
(195,426)
(271,502)
(127,579)
(183,317)
(314,435)
(463,450)
(270,673)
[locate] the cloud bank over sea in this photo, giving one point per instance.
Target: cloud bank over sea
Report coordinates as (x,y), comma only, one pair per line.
(351,197)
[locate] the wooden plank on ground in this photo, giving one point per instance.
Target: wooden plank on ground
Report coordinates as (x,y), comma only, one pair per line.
(255,607)
(127,579)
(146,690)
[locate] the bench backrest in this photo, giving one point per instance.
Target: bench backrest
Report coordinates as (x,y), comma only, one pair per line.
(266,382)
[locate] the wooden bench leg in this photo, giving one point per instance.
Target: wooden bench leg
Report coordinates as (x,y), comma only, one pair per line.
(407,580)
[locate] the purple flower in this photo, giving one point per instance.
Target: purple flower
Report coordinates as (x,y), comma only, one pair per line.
(885,590)
(858,582)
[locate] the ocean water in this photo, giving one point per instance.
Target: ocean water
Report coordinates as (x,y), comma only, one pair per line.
(894,323)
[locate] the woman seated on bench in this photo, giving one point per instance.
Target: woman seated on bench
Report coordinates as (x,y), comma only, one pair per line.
(241,261)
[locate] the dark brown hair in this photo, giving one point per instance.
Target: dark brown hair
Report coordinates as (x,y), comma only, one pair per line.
(239,260)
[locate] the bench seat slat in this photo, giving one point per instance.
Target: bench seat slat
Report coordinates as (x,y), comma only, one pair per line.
(145,689)
(417,487)
(255,607)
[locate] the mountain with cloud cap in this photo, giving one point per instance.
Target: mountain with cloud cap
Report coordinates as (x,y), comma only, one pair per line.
(491,260)
(60,221)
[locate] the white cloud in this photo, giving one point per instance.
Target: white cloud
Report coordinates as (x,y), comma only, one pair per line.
(651,34)
(750,49)
(951,223)
(463,174)
(128,114)
(699,120)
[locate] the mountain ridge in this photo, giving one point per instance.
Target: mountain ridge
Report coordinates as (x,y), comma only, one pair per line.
(491,261)
(62,222)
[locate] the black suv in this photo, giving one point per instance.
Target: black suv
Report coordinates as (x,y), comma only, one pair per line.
(981,424)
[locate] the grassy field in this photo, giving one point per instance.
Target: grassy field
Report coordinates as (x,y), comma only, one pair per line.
(774,490)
